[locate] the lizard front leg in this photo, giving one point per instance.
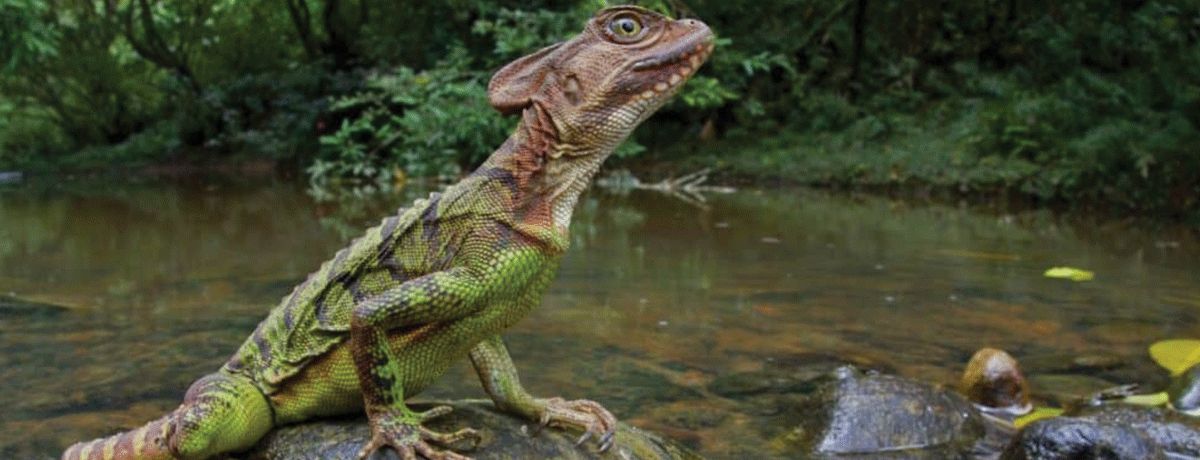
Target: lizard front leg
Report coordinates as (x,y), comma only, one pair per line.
(499,377)
(440,297)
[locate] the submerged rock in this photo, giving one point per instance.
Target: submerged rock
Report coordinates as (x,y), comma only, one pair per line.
(1112,431)
(10,177)
(792,374)
(503,438)
(13,306)
(881,416)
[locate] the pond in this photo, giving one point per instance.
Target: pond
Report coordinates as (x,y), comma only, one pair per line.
(114,297)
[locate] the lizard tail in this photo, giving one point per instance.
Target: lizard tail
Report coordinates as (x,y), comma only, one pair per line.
(221,413)
(146,443)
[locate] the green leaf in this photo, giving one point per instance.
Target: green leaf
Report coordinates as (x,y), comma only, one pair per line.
(1070,273)
(1155,399)
(1038,413)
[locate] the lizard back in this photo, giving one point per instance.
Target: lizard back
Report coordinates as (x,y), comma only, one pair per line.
(315,317)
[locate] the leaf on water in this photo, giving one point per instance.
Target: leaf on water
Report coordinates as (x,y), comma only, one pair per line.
(1176,355)
(1036,414)
(1156,399)
(1070,273)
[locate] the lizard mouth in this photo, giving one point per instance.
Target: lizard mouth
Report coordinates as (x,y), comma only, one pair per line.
(692,51)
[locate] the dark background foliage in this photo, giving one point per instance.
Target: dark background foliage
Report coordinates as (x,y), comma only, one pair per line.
(1071,101)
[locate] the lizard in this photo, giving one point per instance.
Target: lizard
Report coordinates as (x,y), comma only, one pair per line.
(443,277)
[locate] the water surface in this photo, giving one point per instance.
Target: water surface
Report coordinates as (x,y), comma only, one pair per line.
(113,298)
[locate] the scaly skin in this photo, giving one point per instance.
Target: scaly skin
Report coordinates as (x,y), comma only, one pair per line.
(387,315)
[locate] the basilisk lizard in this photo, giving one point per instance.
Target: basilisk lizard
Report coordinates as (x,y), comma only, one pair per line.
(441,279)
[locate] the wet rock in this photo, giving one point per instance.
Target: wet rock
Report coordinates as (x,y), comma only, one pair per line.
(1113,431)
(857,414)
(12,306)
(10,177)
(1184,391)
(1065,438)
(503,438)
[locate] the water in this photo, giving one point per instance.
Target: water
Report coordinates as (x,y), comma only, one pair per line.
(115,297)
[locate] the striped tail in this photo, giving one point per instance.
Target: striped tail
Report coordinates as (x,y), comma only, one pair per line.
(146,443)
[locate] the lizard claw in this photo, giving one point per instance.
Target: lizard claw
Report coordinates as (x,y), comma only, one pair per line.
(404,433)
(596,421)
(607,440)
(543,422)
(582,438)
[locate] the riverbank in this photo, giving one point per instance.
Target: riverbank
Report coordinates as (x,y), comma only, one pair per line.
(950,150)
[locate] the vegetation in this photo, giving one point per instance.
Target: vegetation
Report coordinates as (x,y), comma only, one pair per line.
(1064,101)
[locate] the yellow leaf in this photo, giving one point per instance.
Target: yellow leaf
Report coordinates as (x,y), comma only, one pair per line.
(1155,399)
(1070,273)
(1176,356)
(1036,414)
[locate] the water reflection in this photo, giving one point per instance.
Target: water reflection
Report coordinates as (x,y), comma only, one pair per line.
(113,298)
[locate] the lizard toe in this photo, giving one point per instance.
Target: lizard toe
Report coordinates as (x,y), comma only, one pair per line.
(595,421)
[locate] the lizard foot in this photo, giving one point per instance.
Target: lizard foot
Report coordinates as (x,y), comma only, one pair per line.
(403,432)
(596,421)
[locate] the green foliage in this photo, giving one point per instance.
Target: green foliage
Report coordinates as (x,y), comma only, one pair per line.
(1071,100)
(430,123)
(26,38)
(517,32)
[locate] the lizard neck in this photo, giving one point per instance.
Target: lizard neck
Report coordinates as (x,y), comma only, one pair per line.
(548,175)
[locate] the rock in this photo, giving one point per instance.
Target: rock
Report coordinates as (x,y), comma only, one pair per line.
(1184,391)
(853,413)
(12,306)
(503,438)
(790,374)
(1112,431)
(993,379)
(1069,438)
(10,177)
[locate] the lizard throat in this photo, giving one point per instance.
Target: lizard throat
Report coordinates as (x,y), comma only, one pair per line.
(576,175)
(548,176)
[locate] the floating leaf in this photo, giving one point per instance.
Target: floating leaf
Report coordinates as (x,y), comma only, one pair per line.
(1036,414)
(1155,399)
(1176,355)
(1070,273)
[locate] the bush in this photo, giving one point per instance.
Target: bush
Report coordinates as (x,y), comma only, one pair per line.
(435,122)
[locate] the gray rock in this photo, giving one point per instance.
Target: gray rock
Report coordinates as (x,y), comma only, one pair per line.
(10,177)
(859,415)
(503,438)
(1067,438)
(12,306)
(1112,431)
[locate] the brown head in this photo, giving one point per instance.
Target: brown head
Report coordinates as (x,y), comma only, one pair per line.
(597,87)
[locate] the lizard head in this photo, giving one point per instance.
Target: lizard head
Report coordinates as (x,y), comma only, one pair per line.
(597,87)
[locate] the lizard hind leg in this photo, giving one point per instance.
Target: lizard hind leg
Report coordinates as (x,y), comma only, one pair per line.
(220,413)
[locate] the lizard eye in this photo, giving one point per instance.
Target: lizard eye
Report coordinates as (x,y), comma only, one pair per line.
(625,28)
